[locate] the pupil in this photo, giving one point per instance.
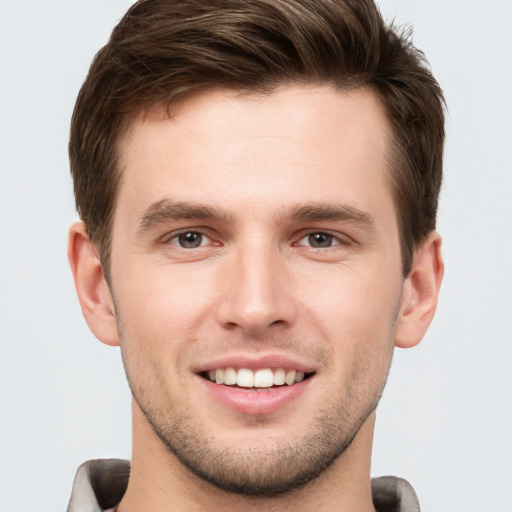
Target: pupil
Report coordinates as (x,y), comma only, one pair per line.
(190,240)
(320,240)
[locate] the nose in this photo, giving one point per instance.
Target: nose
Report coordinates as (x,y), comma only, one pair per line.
(257,292)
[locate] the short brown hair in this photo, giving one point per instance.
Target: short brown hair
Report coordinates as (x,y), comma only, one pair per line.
(164,49)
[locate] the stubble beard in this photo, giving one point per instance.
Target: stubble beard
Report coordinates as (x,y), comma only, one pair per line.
(261,471)
(258,471)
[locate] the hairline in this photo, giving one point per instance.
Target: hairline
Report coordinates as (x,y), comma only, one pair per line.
(395,158)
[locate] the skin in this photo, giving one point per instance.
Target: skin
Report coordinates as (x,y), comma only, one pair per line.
(267,173)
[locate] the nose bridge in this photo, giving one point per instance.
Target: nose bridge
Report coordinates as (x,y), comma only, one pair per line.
(256,294)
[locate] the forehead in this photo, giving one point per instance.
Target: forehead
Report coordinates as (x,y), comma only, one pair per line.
(260,152)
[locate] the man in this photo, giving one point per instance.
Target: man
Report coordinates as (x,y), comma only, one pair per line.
(257,183)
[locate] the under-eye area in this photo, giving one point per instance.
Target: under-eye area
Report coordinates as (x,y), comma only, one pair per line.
(257,380)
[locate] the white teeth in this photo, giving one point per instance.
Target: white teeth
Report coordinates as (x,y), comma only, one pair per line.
(290,377)
(219,376)
(279,377)
(263,378)
(230,376)
(245,378)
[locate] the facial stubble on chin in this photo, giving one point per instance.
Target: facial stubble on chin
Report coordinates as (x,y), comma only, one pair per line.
(260,471)
(287,467)
(254,472)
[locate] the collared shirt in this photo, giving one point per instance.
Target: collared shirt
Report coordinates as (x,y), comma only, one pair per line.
(100,484)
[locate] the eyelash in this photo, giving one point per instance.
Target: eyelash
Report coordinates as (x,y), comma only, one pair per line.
(334,240)
(176,236)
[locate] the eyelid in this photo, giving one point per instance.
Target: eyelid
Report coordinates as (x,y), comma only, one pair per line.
(168,238)
(338,238)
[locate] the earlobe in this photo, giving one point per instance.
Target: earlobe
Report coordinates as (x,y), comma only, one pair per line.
(420,293)
(92,289)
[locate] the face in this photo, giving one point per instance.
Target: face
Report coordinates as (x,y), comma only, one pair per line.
(256,274)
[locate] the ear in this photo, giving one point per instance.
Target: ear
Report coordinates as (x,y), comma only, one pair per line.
(92,288)
(420,293)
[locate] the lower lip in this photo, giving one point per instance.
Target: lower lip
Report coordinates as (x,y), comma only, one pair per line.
(256,402)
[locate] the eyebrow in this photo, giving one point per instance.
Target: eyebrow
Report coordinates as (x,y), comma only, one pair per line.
(317,212)
(168,210)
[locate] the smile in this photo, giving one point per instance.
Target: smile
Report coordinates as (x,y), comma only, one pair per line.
(263,378)
(256,385)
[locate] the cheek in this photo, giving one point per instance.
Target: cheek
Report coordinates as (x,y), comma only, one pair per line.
(343,299)
(355,314)
(162,307)
(359,328)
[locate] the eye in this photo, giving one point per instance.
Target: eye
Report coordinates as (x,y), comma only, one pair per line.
(319,240)
(189,240)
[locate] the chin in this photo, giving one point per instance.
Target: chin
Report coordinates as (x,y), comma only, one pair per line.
(259,467)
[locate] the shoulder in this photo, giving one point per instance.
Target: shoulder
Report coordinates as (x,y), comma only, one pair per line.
(99,484)
(393,494)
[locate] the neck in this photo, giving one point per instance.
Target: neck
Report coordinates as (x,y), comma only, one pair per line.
(159,482)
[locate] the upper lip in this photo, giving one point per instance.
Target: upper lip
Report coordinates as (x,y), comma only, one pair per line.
(255,362)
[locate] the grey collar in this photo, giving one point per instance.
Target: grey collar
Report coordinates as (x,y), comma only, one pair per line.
(100,484)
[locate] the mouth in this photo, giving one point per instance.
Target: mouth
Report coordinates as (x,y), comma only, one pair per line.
(263,379)
(256,384)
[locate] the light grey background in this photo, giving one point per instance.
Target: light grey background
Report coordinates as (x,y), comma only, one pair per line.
(445,422)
